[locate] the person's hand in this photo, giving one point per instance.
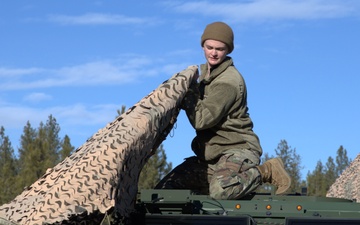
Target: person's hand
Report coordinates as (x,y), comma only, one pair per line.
(191,96)
(184,103)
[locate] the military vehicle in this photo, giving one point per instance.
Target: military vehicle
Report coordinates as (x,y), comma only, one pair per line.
(173,207)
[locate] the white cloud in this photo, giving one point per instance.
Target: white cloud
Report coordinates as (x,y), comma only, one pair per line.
(100,19)
(7,72)
(80,114)
(100,72)
(126,69)
(16,116)
(265,10)
(37,97)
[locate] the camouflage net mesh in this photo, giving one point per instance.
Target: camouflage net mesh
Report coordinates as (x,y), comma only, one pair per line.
(103,173)
(348,184)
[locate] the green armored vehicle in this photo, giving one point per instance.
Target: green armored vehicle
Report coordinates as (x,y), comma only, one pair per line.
(174,207)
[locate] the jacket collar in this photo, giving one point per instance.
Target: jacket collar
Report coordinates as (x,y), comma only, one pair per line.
(216,71)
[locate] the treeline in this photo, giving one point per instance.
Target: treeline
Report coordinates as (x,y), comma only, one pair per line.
(42,148)
(318,181)
(324,175)
(39,149)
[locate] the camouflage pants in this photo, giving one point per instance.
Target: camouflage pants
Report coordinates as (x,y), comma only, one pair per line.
(232,176)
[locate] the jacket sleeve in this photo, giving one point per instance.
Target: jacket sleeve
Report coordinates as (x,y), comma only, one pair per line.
(209,111)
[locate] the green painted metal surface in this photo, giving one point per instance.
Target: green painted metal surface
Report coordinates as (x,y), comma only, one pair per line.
(184,207)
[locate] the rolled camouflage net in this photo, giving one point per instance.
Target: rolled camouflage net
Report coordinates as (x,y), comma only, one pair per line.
(347,185)
(103,173)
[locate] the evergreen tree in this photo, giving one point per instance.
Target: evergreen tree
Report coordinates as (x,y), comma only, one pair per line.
(316,181)
(330,173)
(122,110)
(154,170)
(53,145)
(66,148)
(342,160)
(44,157)
(27,138)
(8,169)
(26,157)
(39,151)
(320,180)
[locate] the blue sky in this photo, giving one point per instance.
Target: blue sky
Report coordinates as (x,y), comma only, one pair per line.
(82,60)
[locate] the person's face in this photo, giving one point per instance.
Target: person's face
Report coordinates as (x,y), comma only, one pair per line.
(215,52)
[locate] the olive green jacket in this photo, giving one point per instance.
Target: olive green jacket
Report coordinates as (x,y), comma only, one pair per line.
(217,108)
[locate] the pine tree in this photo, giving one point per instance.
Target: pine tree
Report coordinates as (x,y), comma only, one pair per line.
(320,180)
(52,130)
(27,138)
(342,160)
(330,173)
(47,145)
(8,169)
(122,110)
(66,148)
(154,170)
(39,151)
(26,157)
(316,181)
(44,156)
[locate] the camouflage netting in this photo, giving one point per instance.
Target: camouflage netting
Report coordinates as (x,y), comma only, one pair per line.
(103,173)
(348,184)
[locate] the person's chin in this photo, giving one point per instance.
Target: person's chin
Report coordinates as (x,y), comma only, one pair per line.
(213,62)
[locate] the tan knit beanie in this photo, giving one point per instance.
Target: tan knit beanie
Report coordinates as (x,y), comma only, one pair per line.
(219,31)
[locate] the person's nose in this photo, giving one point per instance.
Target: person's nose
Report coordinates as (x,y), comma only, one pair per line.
(214,52)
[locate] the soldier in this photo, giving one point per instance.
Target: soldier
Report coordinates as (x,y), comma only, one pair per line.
(226,165)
